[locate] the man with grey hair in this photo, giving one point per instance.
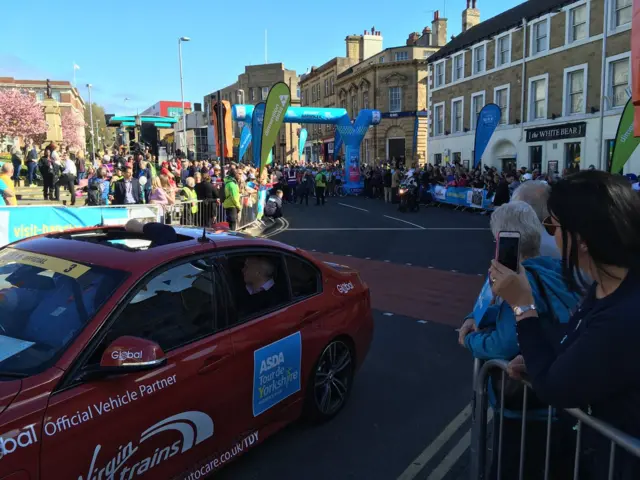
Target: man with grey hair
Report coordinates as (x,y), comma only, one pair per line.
(518,216)
(536,194)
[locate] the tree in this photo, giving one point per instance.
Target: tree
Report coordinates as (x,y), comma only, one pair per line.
(72,124)
(107,135)
(21,116)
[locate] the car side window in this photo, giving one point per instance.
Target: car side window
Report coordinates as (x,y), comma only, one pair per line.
(257,284)
(173,308)
(304,278)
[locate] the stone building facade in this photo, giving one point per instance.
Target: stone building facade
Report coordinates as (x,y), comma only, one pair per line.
(559,71)
(252,87)
(318,89)
(393,80)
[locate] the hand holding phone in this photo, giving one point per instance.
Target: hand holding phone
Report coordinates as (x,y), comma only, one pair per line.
(508,250)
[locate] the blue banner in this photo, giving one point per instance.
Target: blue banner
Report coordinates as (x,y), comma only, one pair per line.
(461,196)
(487,122)
(337,144)
(245,140)
(276,372)
(256,133)
(302,139)
(17,223)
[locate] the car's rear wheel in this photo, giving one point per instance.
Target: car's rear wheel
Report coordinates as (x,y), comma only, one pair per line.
(330,384)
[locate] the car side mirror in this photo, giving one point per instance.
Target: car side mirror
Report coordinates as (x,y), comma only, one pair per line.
(131,354)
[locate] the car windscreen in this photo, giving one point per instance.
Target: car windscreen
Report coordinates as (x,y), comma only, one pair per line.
(45,302)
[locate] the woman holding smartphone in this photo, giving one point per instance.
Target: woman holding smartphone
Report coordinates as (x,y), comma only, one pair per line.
(595,219)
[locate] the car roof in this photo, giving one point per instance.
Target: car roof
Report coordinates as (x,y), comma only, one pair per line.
(64,245)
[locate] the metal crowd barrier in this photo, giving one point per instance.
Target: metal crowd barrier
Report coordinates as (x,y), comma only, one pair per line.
(208,213)
(478,448)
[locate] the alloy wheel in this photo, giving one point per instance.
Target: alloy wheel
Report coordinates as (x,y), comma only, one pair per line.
(333,377)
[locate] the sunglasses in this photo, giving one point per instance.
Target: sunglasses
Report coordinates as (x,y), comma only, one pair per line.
(549,226)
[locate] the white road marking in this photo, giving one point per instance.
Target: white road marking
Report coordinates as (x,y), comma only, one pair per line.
(367,258)
(449,461)
(387,314)
(422,321)
(428,453)
(387,261)
(409,264)
(414,469)
(355,208)
(404,221)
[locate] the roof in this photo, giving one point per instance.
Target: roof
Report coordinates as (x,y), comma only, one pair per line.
(498,24)
(62,245)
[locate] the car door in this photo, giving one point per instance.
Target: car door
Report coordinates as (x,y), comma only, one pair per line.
(156,423)
(269,343)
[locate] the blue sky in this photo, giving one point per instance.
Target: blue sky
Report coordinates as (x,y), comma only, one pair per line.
(108,40)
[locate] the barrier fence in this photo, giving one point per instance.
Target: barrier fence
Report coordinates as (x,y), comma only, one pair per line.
(208,213)
(479,466)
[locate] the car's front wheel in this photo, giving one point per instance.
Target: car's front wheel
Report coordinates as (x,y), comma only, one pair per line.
(330,384)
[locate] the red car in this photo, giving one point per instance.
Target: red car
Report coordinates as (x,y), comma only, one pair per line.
(127,355)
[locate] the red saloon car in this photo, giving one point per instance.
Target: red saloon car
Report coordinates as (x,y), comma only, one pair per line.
(127,355)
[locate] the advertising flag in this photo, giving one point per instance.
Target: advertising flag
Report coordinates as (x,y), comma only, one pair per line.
(625,143)
(278,101)
(302,139)
(245,140)
(256,132)
(487,122)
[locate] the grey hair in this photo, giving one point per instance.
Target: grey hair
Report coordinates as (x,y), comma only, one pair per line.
(518,216)
(190,182)
(536,194)
(7,168)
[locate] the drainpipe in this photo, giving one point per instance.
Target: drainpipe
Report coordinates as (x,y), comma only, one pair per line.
(375,107)
(603,66)
(524,73)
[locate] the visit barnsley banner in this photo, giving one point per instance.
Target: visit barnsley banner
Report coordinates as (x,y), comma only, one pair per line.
(278,101)
(625,143)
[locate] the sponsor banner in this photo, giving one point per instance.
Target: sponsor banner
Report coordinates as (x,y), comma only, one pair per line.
(11,441)
(245,140)
(625,143)
(337,144)
(461,196)
(278,102)
(257,122)
(276,372)
(487,122)
(302,139)
(483,302)
(53,264)
(17,223)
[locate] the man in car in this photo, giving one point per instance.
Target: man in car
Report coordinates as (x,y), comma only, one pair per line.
(259,295)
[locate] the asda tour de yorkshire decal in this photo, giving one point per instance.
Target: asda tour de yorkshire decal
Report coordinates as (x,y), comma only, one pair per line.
(276,372)
(278,102)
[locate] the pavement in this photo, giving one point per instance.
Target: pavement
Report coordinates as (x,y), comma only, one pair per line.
(409,413)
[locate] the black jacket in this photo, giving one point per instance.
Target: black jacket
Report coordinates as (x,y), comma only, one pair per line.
(206,191)
(597,367)
(120,191)
(502,194)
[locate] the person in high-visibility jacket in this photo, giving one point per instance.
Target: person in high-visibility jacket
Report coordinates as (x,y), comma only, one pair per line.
(232,205)
(190,199)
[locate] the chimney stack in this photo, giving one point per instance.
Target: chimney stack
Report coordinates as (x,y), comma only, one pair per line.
(426,33)
(470,16)
(413,39)
(439,27)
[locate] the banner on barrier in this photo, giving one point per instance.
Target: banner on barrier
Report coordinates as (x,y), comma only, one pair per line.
(17,223)
(461,196)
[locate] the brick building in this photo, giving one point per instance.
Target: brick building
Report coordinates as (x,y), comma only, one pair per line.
(63,92)
(560,82)
(252,87)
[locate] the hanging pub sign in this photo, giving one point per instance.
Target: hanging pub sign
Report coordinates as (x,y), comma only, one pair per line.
(557,132)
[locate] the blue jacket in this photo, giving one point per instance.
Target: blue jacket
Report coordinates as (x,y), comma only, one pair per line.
(497,337)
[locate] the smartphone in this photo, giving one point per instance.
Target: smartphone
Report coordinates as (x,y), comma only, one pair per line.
(508,250)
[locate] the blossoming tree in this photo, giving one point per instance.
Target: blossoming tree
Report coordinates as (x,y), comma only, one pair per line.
(21,116)
(72,129)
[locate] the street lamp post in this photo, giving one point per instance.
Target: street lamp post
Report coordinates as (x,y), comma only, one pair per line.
(93,145)
(184,116)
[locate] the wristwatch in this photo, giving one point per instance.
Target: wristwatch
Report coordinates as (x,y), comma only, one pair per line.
(522,309)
